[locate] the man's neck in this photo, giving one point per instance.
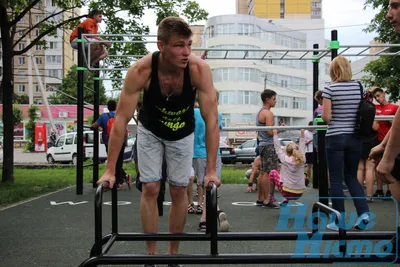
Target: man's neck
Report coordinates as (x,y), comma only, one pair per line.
(384,103)
(267,106)
(166,68)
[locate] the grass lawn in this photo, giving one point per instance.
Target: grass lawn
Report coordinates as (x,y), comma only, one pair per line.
(30,183)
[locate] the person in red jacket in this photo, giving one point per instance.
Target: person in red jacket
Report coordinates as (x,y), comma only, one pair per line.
(90,26)
(383,108)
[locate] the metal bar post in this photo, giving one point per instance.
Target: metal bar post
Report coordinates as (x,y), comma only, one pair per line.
(315,106)
(96,103)
(81,74)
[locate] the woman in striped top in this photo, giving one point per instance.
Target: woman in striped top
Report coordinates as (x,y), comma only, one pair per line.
(343,148)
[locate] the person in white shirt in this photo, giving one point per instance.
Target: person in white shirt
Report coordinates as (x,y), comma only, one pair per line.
(309,149)
(291,180)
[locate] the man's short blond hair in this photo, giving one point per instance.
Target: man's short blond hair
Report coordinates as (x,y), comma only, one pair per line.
(340,70)
(173,25)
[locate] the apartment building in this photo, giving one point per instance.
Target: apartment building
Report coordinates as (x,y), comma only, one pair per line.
(241,82)
(283,9)
(197,31)
(53,61)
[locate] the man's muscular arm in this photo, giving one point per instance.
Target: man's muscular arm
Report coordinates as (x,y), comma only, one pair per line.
(208,102)
(135,81)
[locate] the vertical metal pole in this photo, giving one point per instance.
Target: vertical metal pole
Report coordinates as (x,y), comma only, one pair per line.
(334,49)
(96,104)
(81,73)
(315,106)
(114,196)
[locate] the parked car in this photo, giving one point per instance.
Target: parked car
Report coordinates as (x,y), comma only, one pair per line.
(227,153)
(246,152)
(65,149)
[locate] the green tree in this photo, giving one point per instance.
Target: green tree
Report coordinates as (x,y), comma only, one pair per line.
(122,17)
(68,93)
(17,115)
(30,127)
(383,72)
(21,99)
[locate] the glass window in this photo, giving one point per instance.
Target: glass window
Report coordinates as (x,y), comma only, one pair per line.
(247,117)
(249,144)
(60,141)
(69,139)
(226,120)
(227,97)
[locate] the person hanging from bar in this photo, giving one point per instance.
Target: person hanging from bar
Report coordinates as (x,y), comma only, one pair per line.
(169,78)
(90,26)
(290,181)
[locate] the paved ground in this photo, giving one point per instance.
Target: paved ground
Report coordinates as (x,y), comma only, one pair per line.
(47,232)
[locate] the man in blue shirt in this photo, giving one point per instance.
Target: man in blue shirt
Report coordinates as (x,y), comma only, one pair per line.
(200,164)
(102,122)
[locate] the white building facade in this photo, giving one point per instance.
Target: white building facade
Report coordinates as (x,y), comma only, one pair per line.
(240,82)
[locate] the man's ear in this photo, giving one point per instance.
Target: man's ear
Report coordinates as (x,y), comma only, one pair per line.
(160,46)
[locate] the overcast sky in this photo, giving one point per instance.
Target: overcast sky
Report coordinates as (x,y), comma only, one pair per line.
(335,12)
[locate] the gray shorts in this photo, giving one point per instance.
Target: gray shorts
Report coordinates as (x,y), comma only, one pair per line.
(178,155)
(200,165)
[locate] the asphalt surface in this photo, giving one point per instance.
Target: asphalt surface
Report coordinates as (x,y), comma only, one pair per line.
(58,229)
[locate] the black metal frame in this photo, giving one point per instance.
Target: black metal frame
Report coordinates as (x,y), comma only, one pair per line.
(98,254)
(80,128)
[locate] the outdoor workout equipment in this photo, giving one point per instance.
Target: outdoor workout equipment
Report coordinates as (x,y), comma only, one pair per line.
(103,244)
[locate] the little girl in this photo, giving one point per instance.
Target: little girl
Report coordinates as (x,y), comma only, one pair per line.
(291,181)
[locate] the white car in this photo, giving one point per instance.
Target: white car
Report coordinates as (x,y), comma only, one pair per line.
(65,149)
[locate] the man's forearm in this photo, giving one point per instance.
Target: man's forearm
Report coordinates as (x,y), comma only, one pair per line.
(115,144)
(392,148)
(212,145)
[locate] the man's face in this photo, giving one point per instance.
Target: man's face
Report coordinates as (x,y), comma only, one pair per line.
(379,97)
(98,18)
(393,14)
(177,50)
(271,101)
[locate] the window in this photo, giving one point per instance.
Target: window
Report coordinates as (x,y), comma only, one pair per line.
(38,101)
(299,103)
(21,46)
(20,33)
(37,89)
(37,32)
(249,144)
(60,141)
(54,45)
(38,60)
(37,18)
(248,98)
(69,139)
(227,97)
(38,48)
(54,73)
(247,117)
(22,20)
(21,60)
(21,88)
(53,59)
(226,120)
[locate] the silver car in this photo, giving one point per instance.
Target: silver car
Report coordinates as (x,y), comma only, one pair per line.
(246,152)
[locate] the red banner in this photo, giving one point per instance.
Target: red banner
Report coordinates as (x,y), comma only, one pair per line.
(40,138)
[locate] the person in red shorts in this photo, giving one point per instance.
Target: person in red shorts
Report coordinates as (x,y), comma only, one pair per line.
(383,108)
